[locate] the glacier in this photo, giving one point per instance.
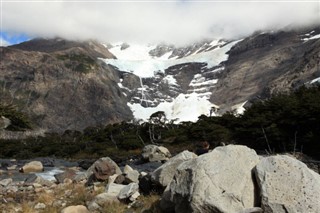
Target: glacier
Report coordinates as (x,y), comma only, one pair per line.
(136,59)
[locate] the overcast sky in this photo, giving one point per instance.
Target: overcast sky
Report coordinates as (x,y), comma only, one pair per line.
(175,22)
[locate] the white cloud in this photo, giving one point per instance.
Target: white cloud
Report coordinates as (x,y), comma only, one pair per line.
(149,22)
(3,42)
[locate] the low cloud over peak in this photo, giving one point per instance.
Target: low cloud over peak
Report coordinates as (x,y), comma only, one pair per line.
(176,22)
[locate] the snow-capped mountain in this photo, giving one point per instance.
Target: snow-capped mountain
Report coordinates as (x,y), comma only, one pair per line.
(177,81)
(64,84)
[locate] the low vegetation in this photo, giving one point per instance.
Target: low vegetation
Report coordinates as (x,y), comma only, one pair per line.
(284,123)
(72,194)
(19,120)
(78,62)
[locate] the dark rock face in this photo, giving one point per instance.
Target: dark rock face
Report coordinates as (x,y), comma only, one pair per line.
(62,85)
(268,63)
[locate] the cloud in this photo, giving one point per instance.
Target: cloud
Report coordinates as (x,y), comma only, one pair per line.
(153,21)
(3,42)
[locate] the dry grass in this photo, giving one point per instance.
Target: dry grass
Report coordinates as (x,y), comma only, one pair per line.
(149,204)
(46,198)
(114,208)
(80,195)
(27,207)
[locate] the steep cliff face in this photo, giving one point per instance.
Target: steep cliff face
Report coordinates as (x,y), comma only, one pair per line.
(62,85)
(268,63)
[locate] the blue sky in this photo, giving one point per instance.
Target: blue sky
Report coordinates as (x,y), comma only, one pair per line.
(141,21)
(13,38)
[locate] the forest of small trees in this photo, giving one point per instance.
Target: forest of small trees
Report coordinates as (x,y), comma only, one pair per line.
(287,122)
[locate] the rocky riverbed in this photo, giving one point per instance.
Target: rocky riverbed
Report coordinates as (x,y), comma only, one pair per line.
(228,179)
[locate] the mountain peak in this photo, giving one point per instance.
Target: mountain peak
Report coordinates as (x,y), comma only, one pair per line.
(93,48)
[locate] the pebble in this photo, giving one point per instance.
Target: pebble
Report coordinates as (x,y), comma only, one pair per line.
(40,206)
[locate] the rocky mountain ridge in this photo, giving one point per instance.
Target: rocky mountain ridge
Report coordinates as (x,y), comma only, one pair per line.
(72,85)
(265,64)
(61,87)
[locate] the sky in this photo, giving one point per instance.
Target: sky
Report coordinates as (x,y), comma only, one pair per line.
(175,21)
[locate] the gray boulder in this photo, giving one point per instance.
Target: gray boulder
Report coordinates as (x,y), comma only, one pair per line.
(127,191)
(33,166)
(153,153)
(103,168)
(132,176)
(164,174)
(114,189)
(219,181)
(287,185)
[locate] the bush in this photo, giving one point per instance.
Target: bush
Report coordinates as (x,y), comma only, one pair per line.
(19,120)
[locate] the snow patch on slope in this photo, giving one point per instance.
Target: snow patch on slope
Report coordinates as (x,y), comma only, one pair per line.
(133,52)
(145,66)
(239,108)
(316,80)
(186,107)
(310,36)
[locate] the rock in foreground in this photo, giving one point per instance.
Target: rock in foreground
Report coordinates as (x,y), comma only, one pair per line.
(164,174)
(219,181)
(287,185)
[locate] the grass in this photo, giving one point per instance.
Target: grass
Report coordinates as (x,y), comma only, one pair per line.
(149,204)
(80,195)
(77,194)
(27,208)
(46,198)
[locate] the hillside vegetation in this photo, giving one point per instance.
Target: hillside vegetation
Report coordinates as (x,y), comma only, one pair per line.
(287,122)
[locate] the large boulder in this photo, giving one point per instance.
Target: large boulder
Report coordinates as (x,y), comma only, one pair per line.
(164,174)
(220,181)
(151,153)
(75,209)
(103,168)
(33,166)
(287,185)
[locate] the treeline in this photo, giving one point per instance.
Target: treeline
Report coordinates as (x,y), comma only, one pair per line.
(284,123)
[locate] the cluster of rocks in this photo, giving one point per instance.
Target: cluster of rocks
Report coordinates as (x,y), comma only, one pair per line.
(235,179)
(122,185)
(228,179)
